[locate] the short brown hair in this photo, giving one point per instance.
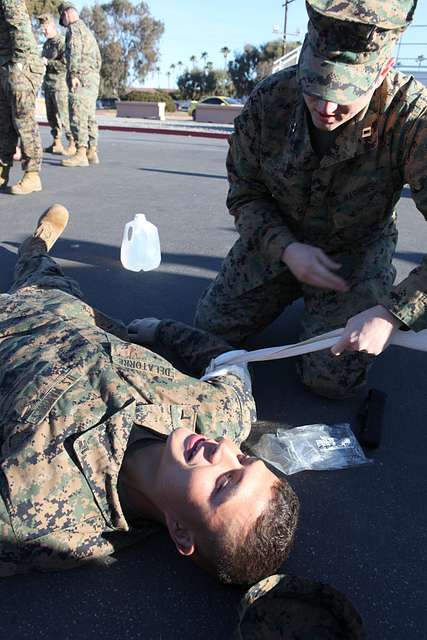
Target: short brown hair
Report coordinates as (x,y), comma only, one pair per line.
(264,548)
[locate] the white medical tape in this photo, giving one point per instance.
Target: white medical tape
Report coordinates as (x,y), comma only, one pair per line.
(408,339)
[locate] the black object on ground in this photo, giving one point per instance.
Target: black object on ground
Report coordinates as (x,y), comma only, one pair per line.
(370,419)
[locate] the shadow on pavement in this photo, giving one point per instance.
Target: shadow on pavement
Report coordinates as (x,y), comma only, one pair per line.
(184,173)
(93,253)
(149,593)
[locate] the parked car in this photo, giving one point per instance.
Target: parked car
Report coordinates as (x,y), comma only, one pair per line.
(106,103)
(184,105)
(224,100)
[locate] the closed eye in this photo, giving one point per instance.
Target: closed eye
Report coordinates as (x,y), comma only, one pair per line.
(223,481)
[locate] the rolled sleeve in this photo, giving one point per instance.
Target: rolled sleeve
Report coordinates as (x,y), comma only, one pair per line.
(408,300)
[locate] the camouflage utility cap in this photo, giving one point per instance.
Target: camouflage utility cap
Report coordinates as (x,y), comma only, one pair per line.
(66,5)
(392,14)
(347,44)
(289,607)
(44,18)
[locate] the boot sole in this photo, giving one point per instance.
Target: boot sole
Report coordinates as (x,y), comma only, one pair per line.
(24,193)
(56,223)
(71,166)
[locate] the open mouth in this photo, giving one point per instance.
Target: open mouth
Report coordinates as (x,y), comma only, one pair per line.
(192,446)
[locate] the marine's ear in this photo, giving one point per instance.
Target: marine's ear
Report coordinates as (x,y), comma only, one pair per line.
(181,535)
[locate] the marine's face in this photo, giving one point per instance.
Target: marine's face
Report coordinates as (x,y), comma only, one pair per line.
(213,482)
(327,116)
(49,30)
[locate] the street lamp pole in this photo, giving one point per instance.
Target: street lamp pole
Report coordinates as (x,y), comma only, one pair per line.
(285,26)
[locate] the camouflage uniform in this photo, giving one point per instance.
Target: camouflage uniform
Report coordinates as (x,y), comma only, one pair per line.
(21,72)
(343,202)
(55,87)
(83,62)
(71,395)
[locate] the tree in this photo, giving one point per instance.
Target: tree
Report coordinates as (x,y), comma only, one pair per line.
(37,7)
(223,84)
(254,64)
(420,59)
(203,56)
(225,52)
(193,60)
(128,38)
(242,70)
(158,75)
(197,83)
(269,52)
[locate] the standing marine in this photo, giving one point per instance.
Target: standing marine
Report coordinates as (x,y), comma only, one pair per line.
(83,69)
(21,72)
(55,87)
(316,166)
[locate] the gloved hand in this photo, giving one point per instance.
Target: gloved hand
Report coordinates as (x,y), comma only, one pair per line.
(218,367)
(143,330)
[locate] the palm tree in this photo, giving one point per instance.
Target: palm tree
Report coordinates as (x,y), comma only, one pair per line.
(172,68)
(204,55)
(158,76)
(225,52)
(168,73)
(179,65)
(193,60)
(209,66)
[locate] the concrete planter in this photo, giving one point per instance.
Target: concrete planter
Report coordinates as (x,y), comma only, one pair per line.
(148,110)
(217,113)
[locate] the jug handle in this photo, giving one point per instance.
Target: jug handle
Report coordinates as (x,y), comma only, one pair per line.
(128,227)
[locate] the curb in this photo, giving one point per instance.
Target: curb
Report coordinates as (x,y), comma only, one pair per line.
(167,132)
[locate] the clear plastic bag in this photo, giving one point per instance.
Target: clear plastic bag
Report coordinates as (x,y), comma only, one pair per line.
(314,447)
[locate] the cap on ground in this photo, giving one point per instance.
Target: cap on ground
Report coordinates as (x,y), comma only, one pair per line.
(290,607)
(347,44)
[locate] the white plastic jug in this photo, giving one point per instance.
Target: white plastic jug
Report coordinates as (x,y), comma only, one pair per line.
(140,245)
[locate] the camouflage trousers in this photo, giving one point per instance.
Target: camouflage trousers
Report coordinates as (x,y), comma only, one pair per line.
(83,112)
(57,105)
(18,91)
(234,309)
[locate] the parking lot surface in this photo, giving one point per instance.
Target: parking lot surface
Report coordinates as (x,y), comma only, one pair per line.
(362,530)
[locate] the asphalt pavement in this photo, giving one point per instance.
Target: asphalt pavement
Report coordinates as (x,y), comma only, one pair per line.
(362,530)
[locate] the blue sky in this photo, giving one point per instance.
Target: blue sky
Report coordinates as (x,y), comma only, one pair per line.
(194,26)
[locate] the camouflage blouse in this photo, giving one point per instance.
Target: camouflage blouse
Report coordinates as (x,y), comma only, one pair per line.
(70,395)
(281,191)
